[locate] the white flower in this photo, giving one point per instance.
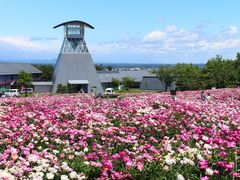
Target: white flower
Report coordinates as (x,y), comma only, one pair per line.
(5,175)
(86,162)
(39,174)
(205,138)
(200,158)
(166,168)
(65,167)
(55,151)
(167,146)
(45,165)
(73,175)
(12,170)
(180,177)
(45,138)
(52,170)
(38,168)
(191,162)
(85,149)
(32,158)
(50,175)
(207,146)
(79,153)
(64,177)
(209,171)
(170,161)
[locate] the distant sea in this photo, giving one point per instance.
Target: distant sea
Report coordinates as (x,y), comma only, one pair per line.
(142,66)
(114,65)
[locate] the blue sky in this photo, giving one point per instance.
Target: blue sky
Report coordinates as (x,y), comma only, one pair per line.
(126,31)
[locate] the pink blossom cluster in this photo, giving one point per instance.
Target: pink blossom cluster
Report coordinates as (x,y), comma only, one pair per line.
(80,137)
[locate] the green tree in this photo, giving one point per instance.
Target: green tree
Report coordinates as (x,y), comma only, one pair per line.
(109,67)
(62,89)
(115,82)
(24,79)
(167,75)
(99,67)
(128,82)
(47,71)
(237,66)
(188,77)
(220,73)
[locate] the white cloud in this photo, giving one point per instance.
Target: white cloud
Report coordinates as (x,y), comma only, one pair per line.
(26,43)
(233,30)
(171,34)
(175,41)
(171,41)
(154,36)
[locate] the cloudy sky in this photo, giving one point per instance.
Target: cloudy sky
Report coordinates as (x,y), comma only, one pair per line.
(126,31)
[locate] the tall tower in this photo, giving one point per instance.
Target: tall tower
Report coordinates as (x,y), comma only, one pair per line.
(74,64)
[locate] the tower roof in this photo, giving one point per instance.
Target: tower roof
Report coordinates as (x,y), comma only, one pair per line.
(75,22)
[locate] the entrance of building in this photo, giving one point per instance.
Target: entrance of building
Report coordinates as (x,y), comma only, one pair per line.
(77,86)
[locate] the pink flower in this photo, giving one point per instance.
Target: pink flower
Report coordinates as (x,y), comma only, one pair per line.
(96,164)
(62,155)
(70,157)
(122,154)
(140,166)
(107,165)
(229,166)
(203,164)
(223,154)
(235,174)
(204,178)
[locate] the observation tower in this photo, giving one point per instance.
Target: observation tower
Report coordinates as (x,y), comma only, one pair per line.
(74,65)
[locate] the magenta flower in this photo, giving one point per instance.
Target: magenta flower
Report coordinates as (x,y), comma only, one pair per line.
(107,165)
(204,178)
(203,164)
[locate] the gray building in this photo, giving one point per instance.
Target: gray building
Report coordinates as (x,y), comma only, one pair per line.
(74,64)
(42,87)
(151,83)
(9,72)
(106,76)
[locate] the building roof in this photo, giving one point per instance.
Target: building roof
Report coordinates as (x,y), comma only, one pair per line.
(15,68)
(151,83)
(42,83)
(75,67)
(75,22)
(106,76)
(78,81)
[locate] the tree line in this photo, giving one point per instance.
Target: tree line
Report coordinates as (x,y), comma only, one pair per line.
(218,72)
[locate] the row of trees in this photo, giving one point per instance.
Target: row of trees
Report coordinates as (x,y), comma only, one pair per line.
(47,71)
(100,67)
(127,82)
(218,72)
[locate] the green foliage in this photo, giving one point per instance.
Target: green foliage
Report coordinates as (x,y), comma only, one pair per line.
(99,67)
(24,79)
(237,66)
(167,75)
(109,67)
(115,82)
(128,82)
(220,73)
(47,71)
(62,89)
(188,76)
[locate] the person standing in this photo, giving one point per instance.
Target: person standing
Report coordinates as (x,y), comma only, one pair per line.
(203,96)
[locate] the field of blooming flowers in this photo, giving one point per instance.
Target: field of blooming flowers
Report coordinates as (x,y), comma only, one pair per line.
(141,136)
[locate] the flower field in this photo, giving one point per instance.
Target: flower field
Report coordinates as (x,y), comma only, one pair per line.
(141,136)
